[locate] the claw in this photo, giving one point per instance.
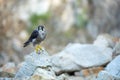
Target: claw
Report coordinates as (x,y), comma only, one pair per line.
(38,48)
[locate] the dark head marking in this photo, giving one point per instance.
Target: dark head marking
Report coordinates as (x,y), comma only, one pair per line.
(40,27)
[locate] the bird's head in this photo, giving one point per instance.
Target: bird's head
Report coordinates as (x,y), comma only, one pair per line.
(42,31)
(41,27)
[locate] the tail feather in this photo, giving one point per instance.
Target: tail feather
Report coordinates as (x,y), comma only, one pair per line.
(26,43)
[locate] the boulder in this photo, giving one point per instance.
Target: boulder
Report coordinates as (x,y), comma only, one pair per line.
(114,67)
(32,62)
(112,71)
(104,40)
(38,67)
(104,75)
(78,56)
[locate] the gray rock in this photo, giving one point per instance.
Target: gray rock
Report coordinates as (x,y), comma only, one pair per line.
(104,40)
(79,56)
(32,62)
(63,77)
(44,74)
(104,75)
(37,67)
(114,67)
(116,49)
(112,71)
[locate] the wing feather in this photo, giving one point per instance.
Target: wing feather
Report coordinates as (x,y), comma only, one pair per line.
(34,35)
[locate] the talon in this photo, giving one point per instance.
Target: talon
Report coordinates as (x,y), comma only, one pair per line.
(38,48)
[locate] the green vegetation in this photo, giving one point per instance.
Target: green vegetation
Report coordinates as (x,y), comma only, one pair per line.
(81,19)
(36,19)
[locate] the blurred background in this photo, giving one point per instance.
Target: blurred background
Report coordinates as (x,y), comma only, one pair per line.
(66,21)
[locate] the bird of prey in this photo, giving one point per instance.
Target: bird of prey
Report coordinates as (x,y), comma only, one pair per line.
(37,36)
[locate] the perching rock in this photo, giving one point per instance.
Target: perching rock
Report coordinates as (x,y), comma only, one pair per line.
(112,71)
(37,67)
(78,56)
(32,62)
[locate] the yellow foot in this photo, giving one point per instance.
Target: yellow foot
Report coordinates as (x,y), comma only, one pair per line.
(38,48)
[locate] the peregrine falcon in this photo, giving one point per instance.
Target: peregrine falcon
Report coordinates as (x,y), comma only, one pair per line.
(37,36)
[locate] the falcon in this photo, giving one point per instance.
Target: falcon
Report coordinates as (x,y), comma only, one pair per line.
(37,36)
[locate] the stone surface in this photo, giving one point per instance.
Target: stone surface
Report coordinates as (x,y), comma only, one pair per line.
(104,75)
(38,67)
(44,73)
(9,68)
(112,71)
(78,56)
(63,77)
(75,78)
(32,62)
(104,40)
(114,67)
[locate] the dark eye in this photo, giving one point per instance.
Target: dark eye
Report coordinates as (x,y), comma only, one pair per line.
(42,28)
(38,27)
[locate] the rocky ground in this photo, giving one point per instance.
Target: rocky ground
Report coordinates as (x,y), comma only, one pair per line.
(97,61)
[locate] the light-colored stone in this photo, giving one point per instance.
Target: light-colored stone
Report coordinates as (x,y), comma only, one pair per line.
(45,74)
(104,75)
(112,71)
(32,62)
(114,67)
(38,67)
(104,40)
(116,49)
(9,68)
(89,71)
(63,77)
(78,56)
(35,77)
(75,78)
